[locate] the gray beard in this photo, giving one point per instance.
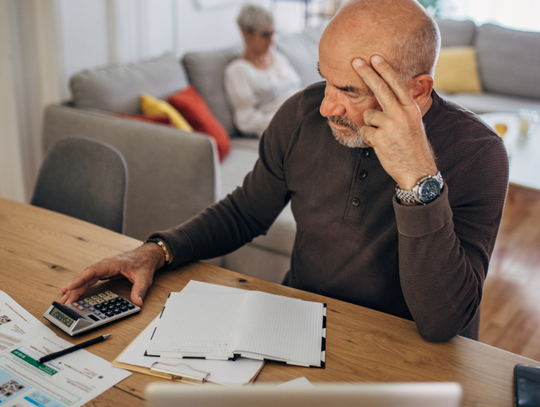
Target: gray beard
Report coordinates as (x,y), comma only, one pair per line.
(354,141)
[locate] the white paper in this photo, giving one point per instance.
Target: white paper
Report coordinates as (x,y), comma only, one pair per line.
(228,373)
(299,382)
(16,324)
(253,324)
(71,380)
(298,322)
(182,333)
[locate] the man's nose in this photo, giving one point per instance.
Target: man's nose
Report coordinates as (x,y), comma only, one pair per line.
(330,105)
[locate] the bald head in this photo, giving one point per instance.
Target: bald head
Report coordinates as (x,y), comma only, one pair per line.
(399,30)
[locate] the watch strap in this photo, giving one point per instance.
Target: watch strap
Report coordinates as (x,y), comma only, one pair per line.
(412,195)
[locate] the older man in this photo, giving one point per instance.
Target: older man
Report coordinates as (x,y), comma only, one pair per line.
(362,158)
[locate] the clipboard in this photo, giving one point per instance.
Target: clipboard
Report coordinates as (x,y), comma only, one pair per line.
(192,373)
(188,375)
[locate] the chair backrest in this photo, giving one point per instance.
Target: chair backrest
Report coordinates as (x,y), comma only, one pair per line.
(86,179)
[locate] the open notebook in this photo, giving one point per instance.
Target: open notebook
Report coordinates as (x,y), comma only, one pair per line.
(250,324)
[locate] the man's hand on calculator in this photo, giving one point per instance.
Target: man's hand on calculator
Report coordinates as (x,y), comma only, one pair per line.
(137,265)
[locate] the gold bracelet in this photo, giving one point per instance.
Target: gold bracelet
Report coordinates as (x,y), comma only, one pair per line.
(163,247)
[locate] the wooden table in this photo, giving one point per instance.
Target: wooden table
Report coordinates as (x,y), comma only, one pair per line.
(41,251)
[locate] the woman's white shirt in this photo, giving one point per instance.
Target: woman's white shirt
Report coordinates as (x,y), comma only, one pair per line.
(256,94)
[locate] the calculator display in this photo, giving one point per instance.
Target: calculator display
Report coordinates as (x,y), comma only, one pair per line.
(60,316)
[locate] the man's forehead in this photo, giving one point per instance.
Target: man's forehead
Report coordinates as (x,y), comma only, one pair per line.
(342,75)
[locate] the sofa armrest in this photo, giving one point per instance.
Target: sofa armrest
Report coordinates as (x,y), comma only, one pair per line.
(173,175)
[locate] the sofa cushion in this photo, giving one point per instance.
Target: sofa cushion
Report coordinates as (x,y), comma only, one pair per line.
(150,105)
(456,33)
(492,102)
(190,105)
(117,88)
(457,71)
(302,50)
(244,154)
(509,60)
(205,73)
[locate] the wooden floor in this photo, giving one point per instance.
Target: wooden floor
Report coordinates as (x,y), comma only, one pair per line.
(511,304)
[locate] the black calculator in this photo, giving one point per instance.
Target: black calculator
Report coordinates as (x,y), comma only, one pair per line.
(89,313)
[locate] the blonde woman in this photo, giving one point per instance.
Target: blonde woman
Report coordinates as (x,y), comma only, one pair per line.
(261,79)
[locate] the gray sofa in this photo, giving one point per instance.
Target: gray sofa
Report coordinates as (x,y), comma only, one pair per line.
(173,174)
(508,64)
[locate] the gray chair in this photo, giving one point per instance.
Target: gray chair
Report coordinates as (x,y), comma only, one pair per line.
(86,179)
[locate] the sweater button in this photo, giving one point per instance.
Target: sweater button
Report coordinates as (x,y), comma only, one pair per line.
(362,174)
(365,153)
(356,202)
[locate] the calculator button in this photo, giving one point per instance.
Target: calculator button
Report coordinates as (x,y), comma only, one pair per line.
(91,309)
(116,311)
(81,308)
(123,308)
(109,313)
(130,306)
(86,305)
(102,316)
(81,302)
(75,304)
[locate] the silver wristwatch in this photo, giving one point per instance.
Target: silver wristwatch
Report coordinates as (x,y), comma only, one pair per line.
(425,190)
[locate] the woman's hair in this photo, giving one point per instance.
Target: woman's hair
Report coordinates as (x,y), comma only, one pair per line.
(254,18)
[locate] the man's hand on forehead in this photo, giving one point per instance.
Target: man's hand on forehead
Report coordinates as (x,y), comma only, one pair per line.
(384,82)
(397,132)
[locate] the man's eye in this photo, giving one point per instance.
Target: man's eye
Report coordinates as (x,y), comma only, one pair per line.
(355,97)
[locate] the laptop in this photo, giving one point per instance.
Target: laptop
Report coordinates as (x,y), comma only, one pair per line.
(160,394)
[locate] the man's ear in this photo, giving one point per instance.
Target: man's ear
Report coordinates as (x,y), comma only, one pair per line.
(420,88)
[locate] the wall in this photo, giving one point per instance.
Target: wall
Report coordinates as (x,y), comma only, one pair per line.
(11,167)
(517,14)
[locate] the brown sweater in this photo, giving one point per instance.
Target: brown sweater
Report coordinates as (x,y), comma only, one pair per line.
(354,241)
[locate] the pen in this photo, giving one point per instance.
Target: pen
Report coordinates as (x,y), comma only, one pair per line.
(63,352)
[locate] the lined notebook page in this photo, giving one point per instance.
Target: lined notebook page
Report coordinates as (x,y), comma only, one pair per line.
(283,328)
(194,324)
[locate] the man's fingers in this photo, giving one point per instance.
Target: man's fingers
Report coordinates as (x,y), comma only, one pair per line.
(73,295)
(373,117)
(140,285)
(383,82)
(368,133)
(387,73)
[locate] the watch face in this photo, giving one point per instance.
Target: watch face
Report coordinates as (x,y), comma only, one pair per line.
(429,190)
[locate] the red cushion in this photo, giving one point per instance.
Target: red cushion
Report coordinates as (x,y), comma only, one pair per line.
(191,105)
(161,118)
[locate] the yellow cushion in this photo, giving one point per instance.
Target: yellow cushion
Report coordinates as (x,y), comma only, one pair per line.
(151,105)
(457,71)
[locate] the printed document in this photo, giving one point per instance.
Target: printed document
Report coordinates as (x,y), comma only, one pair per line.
(71,380)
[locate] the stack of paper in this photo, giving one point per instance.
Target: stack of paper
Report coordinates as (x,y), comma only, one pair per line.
(250,324)
(228,373)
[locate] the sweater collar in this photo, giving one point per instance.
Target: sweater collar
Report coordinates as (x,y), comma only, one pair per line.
(433,111)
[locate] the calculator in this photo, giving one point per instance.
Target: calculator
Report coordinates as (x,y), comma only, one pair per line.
(90,313)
